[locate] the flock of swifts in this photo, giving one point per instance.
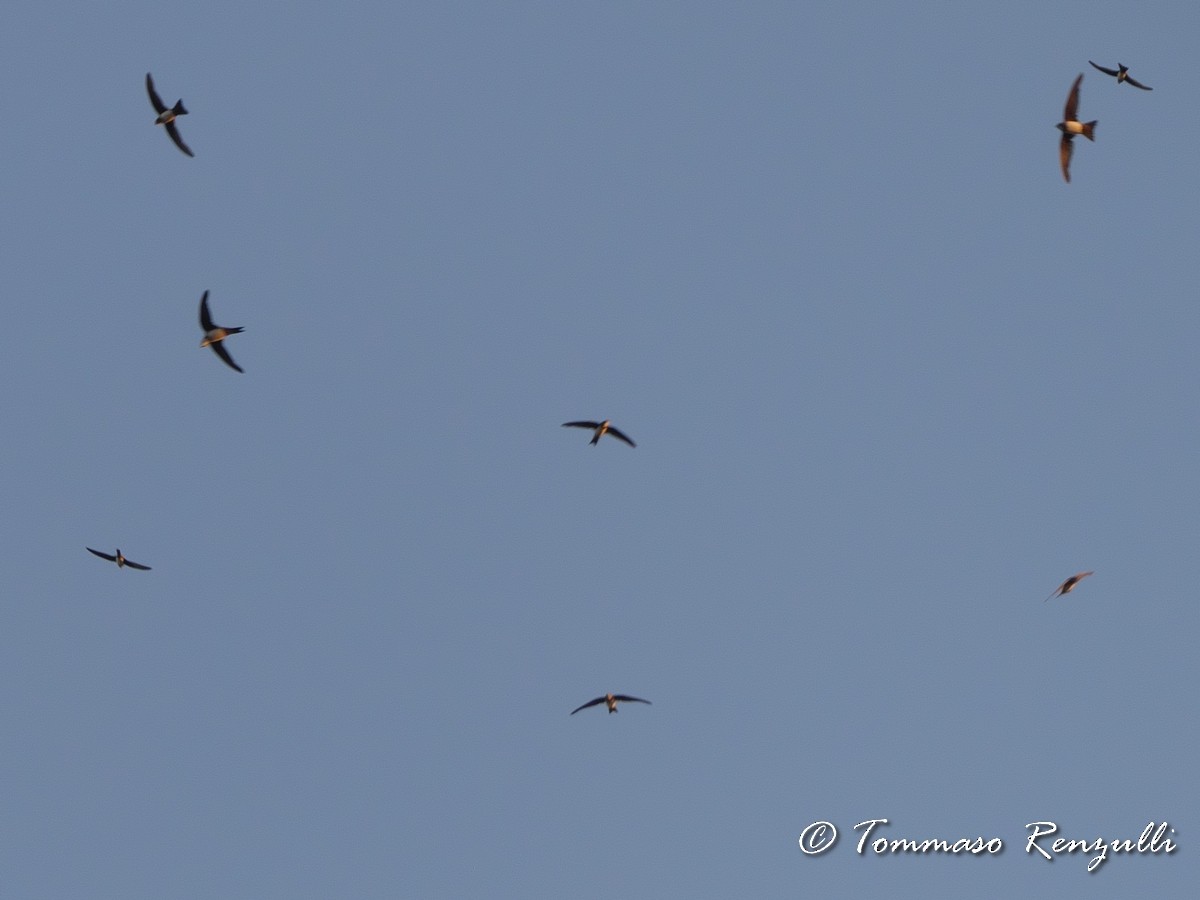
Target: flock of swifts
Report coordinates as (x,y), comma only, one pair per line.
(1070,125)
(215,335)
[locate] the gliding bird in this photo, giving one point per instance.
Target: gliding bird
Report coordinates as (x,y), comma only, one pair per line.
(612,700)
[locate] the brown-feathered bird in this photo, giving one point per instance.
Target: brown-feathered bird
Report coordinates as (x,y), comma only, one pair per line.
(1071,126)
(214,335)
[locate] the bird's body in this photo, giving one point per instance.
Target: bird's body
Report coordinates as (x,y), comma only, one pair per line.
(167,115)
(215,334)
(1069,585)
(1121,73)
(120,560)
(600,429)
(1071,126)
(611,700)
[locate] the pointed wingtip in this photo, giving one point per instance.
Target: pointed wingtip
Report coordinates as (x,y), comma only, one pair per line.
(206,322)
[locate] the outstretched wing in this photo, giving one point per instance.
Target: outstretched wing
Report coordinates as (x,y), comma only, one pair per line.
(155,100)
(1072,101)
(625,698)
(139,566)
(617,433)
(102,555)
(580,424)
(1138,84)
(589,703)
(219,349)
(174,133)
(1064,156)
(1070,583)
(206,321)
(1113,72)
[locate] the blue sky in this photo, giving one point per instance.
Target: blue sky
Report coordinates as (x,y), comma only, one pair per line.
(891,381)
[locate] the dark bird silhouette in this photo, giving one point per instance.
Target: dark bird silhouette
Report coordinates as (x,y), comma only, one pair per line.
(1069,585)
(601,429)
(1121,73)
(1071,126)
(612,700)
(120,560)
(167,117)
(214,335)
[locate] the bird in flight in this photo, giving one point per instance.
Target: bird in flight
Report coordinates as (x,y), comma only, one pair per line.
(1069,585)
(214,335)
(120,560)
(601,429)
(612,700)
(1071,126)
(167,117)
(1121,73)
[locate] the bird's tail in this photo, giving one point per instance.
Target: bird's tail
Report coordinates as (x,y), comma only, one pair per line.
(1089,129)
(179,110)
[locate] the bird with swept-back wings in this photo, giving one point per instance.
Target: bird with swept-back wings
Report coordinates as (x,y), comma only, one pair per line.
(214,335)
(167,116)
(612,700)
(1121,73)
(120,560)
(601,429)
(1071,126)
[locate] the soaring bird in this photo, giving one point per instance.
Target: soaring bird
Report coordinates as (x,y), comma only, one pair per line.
(601,429)
(612,700)
(214,335)
(120,560)
(1121,73)
(167,117)
(1071,126)
(1069,585)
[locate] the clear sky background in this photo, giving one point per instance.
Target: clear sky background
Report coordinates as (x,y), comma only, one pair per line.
(891,379)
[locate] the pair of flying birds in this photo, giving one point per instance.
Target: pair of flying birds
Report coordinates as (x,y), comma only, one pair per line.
(213,334)
(213,337)
(599,429)
(1071,126)
(611,700)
